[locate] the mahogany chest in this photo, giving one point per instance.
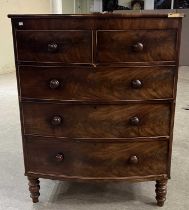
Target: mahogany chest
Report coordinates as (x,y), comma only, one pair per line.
(97,96)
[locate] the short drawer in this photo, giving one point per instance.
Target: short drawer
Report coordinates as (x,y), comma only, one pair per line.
(102,83)
(136,46)
(96,121)
(95,159)
(54,46)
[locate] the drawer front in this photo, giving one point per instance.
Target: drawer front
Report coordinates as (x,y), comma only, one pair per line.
(97,159)
(81,83)
(55,46)
(136,46)
(96,121)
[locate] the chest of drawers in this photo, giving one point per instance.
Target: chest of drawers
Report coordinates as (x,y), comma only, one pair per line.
(97,96)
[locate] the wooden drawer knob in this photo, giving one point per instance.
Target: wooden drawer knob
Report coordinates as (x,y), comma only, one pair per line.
(134,121)
(56,120)
(133,159)
(52,47)
(136,84)
(138,47)
(59,157)
(54,83)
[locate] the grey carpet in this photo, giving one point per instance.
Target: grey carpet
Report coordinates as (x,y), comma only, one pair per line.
(58,195)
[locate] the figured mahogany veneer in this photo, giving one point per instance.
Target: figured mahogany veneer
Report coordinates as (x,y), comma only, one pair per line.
(96,159)
(97,96)
(101,83)
(96,121)
(55,46)
(136,46)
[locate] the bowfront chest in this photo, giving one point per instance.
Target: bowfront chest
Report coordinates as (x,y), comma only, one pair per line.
(97,96)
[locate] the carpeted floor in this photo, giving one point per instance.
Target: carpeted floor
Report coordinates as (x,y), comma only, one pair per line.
(57,195)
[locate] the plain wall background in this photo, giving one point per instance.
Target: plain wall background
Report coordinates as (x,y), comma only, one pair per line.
(68,6)
(6,43)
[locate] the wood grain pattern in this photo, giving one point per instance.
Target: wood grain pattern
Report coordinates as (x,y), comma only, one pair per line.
(95,22)
(118,46)
(72,46)
(99,121)
(101,83)
(96,159)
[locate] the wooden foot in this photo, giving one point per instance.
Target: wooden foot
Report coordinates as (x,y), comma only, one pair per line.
(161,191)
(34,189)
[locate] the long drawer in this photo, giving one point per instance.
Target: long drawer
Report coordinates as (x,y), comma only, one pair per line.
(102,83)
(97,159)
(96,121)
(136,46)
(55,46)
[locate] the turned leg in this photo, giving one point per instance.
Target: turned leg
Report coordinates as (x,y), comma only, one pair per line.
(161,191)
(34,189)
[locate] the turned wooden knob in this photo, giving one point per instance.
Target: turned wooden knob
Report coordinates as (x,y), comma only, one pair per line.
(59,157)
(138,47)
(52,47)
(54,83)
(134,120)
(133,159)
(136,84)
(56,120)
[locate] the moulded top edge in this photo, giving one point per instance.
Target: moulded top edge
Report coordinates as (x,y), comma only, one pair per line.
(101,15)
